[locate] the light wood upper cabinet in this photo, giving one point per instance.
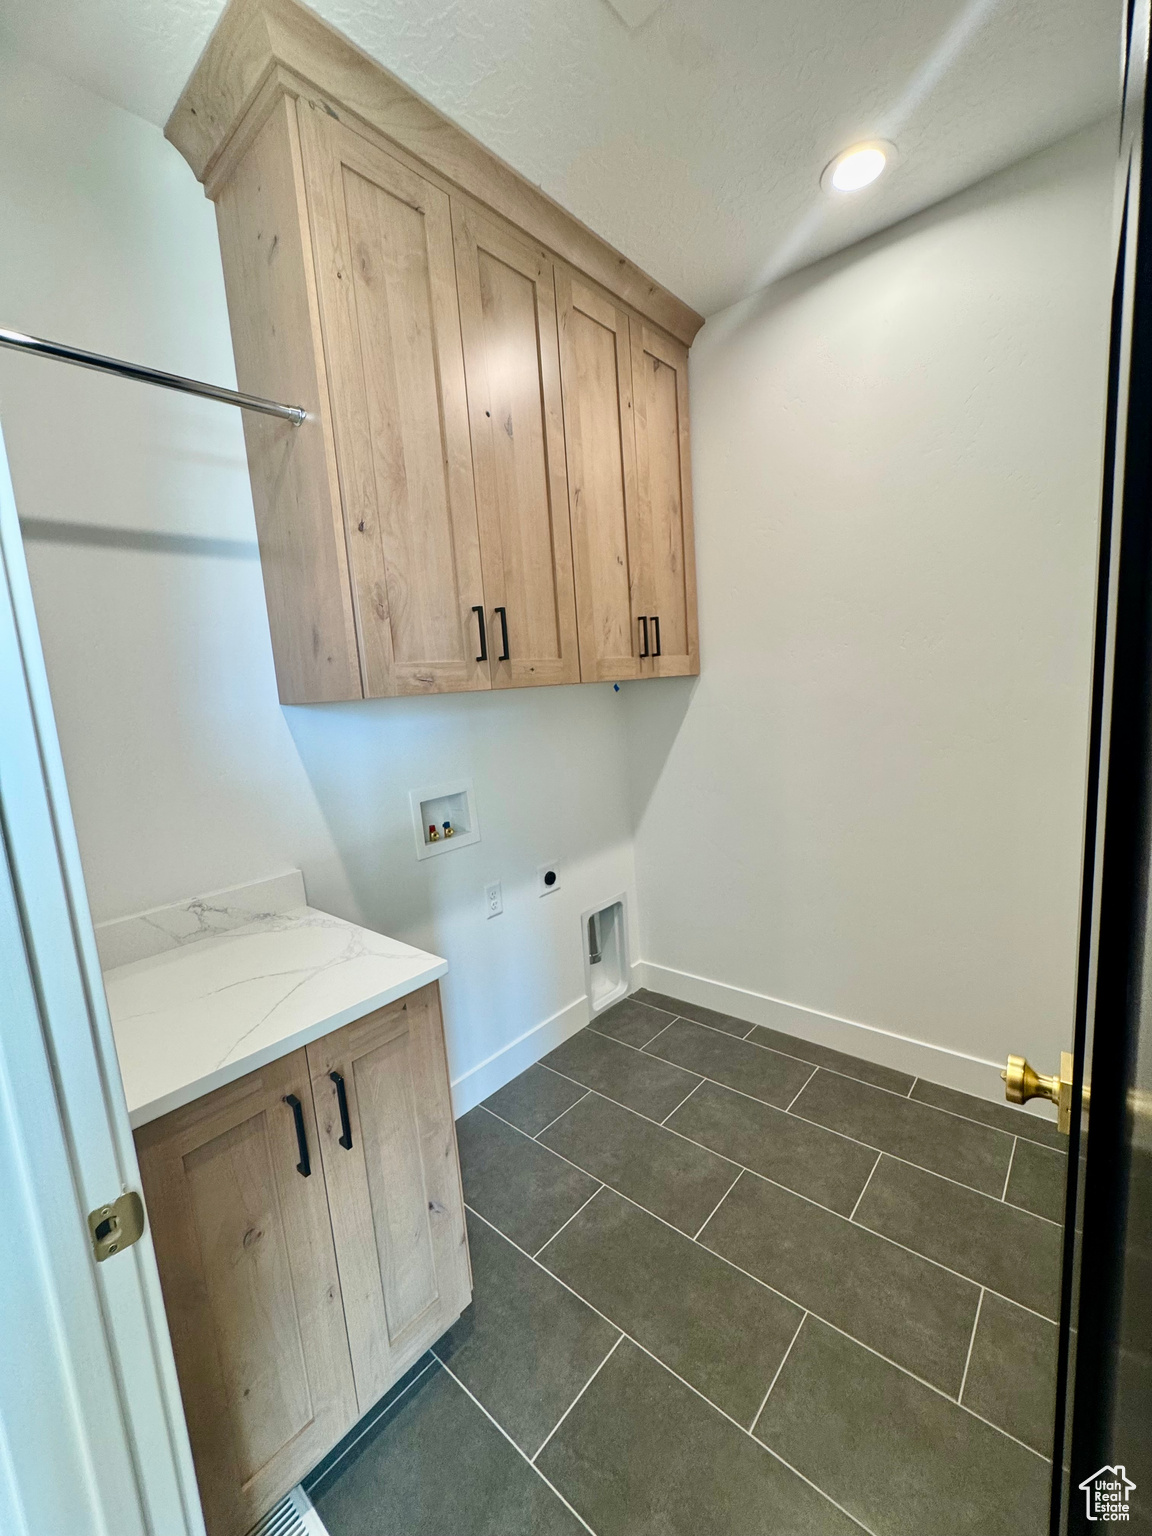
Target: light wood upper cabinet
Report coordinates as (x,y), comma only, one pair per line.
(512,367)
(492,486)
(248,1269)
(664,492)
(606,532)
(382,238)
(393,1185)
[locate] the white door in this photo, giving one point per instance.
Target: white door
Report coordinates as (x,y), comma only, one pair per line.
(92,1435)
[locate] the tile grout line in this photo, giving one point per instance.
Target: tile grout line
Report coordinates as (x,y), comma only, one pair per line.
(560,1116)
(883,1236)
(807,1062)
(860,1196)
(1023,1444)
(971,1346)
(718,1204)
(578,1396)
(800,1090)
(860,1227)
(895,1364)
(832,1131)
(702,1075)
(371,1425)
(776,1376)
(616,1040)
(654,1007)
(695,1390)
(664,1028)
(908,1163)
(571,1218)
(681,1105)
(516,1448)
(836,1072)
(808,1198)
(1008,1171)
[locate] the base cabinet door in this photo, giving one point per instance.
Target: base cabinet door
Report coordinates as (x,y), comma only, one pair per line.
(664,495)
(388,1143)
(251,1288)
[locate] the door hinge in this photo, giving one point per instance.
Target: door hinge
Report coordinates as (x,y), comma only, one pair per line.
(116,1226)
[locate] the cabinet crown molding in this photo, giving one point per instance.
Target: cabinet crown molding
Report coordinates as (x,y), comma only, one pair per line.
(257,42)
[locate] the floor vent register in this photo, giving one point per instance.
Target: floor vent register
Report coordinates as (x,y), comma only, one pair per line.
(295,1515)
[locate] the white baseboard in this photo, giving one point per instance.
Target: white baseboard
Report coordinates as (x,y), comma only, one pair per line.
(953,1069)
(920,1058)
(510,1060)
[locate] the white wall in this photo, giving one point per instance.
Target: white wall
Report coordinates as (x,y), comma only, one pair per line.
(185,773)
(868,807)
(875,788)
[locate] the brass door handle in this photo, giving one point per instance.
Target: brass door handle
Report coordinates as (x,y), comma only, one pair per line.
(1021,1083)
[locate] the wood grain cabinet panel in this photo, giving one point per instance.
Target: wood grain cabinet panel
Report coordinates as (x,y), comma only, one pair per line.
(491,488)
(393,1185)
(382,238)
(250,1282)
(664,493)
(266,249)
(596,366)
(295,1300)
(512,368)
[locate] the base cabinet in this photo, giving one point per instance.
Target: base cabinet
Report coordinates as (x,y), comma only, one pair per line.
(301,1275)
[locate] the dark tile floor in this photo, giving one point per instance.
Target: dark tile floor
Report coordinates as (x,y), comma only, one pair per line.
(729,1284)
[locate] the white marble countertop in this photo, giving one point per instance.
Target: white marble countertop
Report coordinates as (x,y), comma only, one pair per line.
(211,1008)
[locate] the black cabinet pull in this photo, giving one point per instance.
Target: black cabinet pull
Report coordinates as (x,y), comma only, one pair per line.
(503,612)
(644,623)
(342,1100)
(304,1166)
(655,622)
(483,656)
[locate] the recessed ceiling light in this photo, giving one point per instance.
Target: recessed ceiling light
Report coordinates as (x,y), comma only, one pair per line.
(858,166)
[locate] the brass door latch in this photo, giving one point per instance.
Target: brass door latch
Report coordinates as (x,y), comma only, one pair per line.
(116,1226)
(1021,1083)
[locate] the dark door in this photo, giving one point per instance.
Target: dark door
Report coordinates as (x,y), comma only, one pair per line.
(1102,1462)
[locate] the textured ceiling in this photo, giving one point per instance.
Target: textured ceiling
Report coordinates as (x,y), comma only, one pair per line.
(694,141)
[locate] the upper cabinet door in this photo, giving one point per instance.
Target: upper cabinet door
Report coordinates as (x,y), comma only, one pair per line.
(606,536)
(512,366)
(382,239)
(388,1143)
(664,487)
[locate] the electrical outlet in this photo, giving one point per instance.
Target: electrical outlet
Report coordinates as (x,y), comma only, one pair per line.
(493,899)
(548,878)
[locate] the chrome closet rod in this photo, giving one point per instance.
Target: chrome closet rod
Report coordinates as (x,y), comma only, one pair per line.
(38,347)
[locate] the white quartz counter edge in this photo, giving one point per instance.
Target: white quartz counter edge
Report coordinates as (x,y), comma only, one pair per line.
(196,1018)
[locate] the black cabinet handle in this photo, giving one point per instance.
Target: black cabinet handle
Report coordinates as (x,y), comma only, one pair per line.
(503,612)
(644,623)
(342,1100)
(483,656)
(304,1166)
(655,622)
